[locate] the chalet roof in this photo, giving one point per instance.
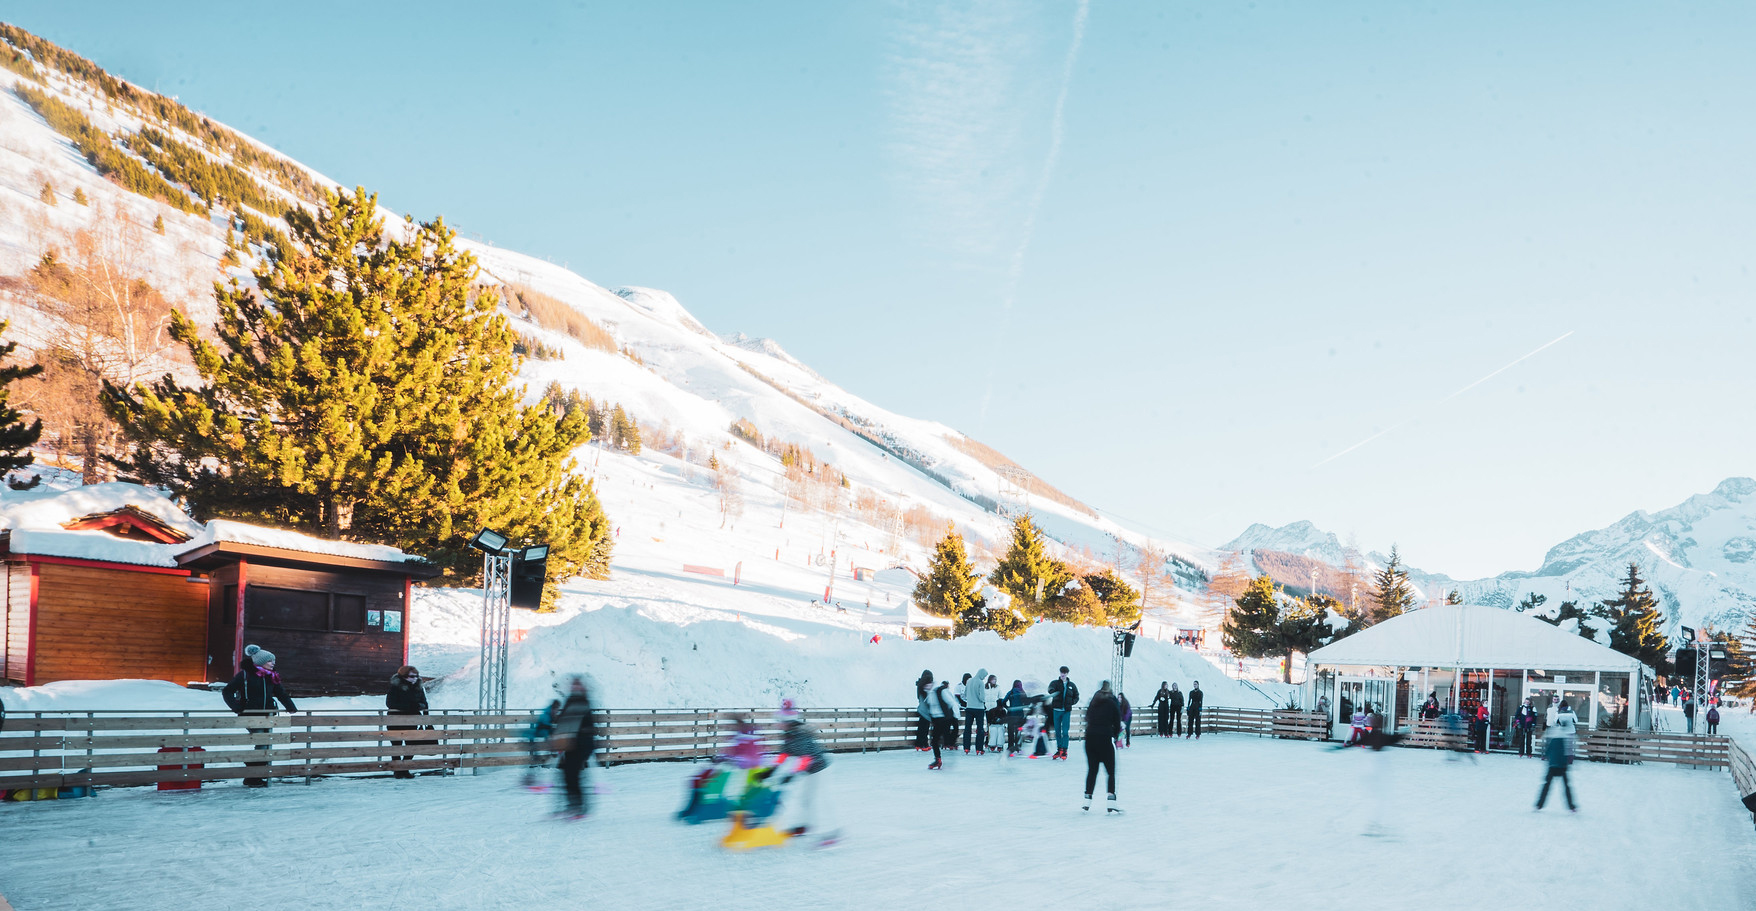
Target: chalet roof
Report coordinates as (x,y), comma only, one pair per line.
(1470,636)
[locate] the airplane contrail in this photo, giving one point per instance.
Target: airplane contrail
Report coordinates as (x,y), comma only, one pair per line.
(1448,398)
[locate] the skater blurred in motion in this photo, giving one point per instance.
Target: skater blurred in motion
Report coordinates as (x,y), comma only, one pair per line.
(405,697)
(802,760)
(1357,727)
(1103,723)
(943,716)
(1523,724)
(1161,701)
(575,739)
(923,721)
(253,692)
(975,712)
(1456,733)
(1017,705)
(1063,699)
(745,749)
(1558,754)
(1127,738)
(537,737)
(1194,710)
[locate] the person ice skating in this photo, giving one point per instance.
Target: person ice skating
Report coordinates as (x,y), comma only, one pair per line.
(1713,719)
(1127,738)
(1558,753)
(1162,702)
(923,721)
(1063,698)
(537,738)
(961,692)
(1689,712)
(1194,711)
(802,759)
(405,697)
(575,739)
(1017,704)
(943,717)
(1103,722)
(1357,727)
(1176,707)
(996,714)
(975,712)
(1481,730)
(253,692)
(1523,724)
(1430,709)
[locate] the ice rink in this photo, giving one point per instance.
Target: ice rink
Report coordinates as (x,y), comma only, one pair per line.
(1230,821)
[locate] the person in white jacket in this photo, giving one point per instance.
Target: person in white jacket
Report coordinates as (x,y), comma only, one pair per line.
(975,711)
(941,706)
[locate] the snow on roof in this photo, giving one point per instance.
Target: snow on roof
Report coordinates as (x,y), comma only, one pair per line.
(221,531)
(1471,635)
(51,510)
(92,545)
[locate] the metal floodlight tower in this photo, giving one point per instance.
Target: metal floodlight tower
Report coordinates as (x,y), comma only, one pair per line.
(1702,670)
(496,619)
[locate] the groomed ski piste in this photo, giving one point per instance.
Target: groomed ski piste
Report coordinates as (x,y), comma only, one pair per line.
(1229,821)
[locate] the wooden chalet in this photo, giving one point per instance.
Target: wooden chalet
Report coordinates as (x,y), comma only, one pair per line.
(140,591)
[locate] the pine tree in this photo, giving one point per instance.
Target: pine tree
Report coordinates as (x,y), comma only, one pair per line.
(1745,642)
(1118,601)
(16,437)
(158,224)
(1569,610)
(952,588)
(1304,627)
(1454,597)
(1027,572)
(1635,622)
(1391,592)
(364,389)
(1252,627)
(47,194)
(79,196)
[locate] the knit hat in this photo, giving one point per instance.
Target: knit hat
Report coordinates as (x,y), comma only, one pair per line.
(258,655)
(787,713)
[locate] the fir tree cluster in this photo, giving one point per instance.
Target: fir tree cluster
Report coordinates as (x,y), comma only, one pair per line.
(1266,623)
(1039,586)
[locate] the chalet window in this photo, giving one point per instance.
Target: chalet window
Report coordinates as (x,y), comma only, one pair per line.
(350,614)
(284,608)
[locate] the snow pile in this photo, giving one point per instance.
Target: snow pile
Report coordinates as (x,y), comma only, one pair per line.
(51,510)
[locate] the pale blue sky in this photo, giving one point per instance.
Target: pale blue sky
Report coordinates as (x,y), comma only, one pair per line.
(1268,231)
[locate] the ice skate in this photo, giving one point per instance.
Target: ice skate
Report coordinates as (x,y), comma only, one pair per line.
(1112,808)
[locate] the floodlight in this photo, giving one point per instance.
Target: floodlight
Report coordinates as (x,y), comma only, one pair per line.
(489,542)
(534,553)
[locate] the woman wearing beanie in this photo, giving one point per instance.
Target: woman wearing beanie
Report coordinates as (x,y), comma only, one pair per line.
(405,697)
(253,692)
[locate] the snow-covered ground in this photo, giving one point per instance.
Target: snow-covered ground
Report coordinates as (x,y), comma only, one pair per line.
(1230,821)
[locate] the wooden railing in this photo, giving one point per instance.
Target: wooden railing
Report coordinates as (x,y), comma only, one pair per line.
(1704,750)
(1744,776)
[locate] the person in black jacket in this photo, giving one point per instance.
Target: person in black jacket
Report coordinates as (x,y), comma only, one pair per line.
(1176,702)
(575,739)
(253,692)
(405,697)
(1063,699)
(1162,701)
(1194,711)
(1103,722)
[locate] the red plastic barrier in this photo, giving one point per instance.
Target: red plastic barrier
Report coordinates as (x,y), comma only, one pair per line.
(194,785)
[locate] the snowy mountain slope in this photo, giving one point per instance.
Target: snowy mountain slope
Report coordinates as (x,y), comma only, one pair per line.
(1699,557)
(677,547)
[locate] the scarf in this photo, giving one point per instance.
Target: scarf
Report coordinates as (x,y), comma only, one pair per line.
(265,672)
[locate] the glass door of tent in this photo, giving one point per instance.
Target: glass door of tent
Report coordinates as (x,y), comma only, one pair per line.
(1542,695)
(1353,694)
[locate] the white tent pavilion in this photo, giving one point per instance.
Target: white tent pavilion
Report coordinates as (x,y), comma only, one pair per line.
(1468,654)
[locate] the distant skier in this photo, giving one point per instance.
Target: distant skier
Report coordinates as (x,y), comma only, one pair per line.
(405,697)
(1063,698)
(1103,723)
(975,712)
(1558,752)
(1162,702)
(1523,724)
(1194,711)
(575,738)
(253,692)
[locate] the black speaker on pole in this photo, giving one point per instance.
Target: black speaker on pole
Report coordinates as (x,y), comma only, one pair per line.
(530,572)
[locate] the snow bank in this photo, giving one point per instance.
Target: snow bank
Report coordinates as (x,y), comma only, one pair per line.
(48,509)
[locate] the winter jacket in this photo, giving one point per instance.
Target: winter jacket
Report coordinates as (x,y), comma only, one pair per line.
(1430,710)
(1713,715)
(1016,702)
(1525,718)
(1103,718)
(405,698)
(939,704)
(1195,699)
(802,742)
(1689,709)
(576,727)
(975,695)
(1176,701)
(1062,693)
(1162,699)
(255,690)
(1558,739)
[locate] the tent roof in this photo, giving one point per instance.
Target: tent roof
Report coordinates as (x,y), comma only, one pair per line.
(1471,635)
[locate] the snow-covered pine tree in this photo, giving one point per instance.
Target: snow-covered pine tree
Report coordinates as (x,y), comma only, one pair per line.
(364,389)
(16,436)
(1635,621)
(1391,592)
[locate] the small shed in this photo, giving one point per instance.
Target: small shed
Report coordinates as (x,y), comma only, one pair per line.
(113,581)
(1469,655)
